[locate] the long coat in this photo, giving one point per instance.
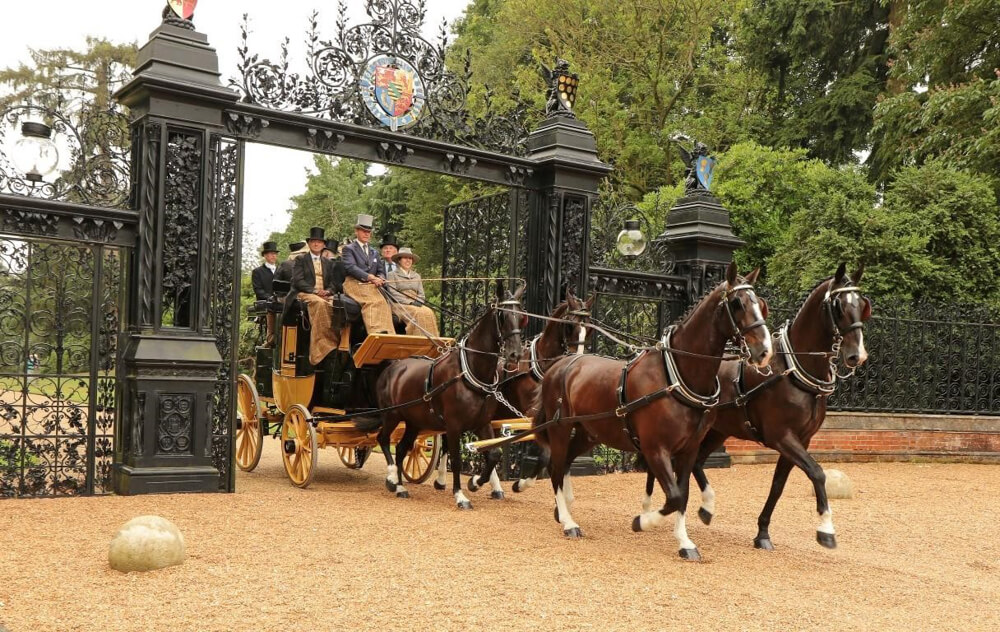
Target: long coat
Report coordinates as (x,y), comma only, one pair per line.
(262,279)
(408,284)
(358,266)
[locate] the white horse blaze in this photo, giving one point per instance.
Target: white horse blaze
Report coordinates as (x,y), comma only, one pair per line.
(680,532)
(580,341)
(563,507)
(708,499)
(862,353)
(826,522)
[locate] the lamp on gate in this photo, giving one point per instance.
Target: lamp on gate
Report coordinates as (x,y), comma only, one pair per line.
(35,155)
(631,242)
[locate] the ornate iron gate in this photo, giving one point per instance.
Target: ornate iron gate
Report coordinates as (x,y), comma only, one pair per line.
(484,238)
(60,317)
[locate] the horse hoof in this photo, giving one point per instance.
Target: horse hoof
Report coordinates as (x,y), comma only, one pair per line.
(573,533)
(496,495)
(827,540)
(637,524)
(472,484)
(403,494)
(517,487)
(390,486)
(706,516)
(465,505)
(691,555)
(439,486)
(763,544)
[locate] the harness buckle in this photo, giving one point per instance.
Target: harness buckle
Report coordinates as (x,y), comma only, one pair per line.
(621,412)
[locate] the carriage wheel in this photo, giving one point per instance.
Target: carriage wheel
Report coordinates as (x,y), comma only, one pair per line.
(249,429)
(354,458)
(422,459)
(298,445)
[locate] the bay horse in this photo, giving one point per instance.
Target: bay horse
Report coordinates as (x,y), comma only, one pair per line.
(453,393)
(656,403)
(784,411)
(537,355)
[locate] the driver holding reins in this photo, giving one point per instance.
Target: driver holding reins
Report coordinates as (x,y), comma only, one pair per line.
(365,275)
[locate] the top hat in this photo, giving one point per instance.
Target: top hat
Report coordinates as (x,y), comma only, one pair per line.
(364,221)
(331,245)
(317,233)
(296,246)
(389,239)
(269,246)
(405,252)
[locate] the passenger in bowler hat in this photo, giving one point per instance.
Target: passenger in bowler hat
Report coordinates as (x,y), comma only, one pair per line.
(365,275)
(389,247)
(314,281)
(262,279)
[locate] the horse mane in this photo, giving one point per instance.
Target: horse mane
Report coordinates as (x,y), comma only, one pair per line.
(694,305)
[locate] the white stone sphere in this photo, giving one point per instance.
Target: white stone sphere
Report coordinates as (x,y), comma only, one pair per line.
(838,485)
(146,543)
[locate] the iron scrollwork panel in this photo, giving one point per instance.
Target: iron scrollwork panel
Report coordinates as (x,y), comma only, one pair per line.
(477,250)
(181,235)
(225,169)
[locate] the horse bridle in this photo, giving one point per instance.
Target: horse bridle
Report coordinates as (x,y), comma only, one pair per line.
(832,307)
(533,360)
(739,337)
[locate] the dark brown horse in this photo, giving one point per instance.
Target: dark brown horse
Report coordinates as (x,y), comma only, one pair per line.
(788,408)
(520,388)
(655,403)
(453,393)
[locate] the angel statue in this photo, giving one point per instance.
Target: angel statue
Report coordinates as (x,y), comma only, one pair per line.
(700,166)
(561,94)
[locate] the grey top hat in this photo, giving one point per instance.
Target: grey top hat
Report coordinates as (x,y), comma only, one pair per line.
(364,221)
(405,252)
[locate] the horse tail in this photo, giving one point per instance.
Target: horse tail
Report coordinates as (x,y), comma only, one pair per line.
(368,424)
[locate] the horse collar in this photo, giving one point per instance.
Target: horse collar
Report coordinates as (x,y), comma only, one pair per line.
(533,355)
(470,377)
(676,383)
(807,382)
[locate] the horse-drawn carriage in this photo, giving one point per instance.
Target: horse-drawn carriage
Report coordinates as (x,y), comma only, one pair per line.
(309,407)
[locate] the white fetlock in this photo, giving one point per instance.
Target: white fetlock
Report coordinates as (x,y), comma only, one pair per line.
(708,499)
(826,522)
(680,532)
(495,481)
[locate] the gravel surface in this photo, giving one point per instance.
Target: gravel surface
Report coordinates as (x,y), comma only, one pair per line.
(919,550)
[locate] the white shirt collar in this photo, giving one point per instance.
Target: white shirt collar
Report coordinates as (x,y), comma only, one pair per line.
(315,257)
(271,266)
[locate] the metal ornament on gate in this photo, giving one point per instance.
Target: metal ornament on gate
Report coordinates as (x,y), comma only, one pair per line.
(393,91)
(184,9)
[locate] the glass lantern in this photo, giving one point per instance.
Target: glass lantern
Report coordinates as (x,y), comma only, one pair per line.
(34,154)
(631,242)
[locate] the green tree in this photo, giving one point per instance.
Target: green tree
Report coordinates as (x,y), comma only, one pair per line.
(934,235)
(947,102)
(826,62)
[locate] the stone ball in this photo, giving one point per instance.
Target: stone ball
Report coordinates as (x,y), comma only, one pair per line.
(146,543)
(838,485)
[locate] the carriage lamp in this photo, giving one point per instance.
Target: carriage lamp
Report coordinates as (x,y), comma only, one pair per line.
(631,242)
(35,155)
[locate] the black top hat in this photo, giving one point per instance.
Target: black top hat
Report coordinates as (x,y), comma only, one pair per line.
(296,246)
(389,239)
(317,233)
(331,245)
(269,246)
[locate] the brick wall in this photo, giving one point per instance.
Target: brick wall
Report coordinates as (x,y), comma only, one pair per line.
(849,436)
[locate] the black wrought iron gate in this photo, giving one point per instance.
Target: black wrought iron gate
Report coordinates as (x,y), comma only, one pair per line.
(61,301)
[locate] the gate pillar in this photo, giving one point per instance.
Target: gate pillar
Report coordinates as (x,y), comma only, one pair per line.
(700,238)
(176,402)
(568,173)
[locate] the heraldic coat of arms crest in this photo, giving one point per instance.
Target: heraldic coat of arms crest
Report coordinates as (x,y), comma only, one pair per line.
(393,92)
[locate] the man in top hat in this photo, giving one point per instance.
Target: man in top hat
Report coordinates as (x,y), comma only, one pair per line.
(365,275)
(262,278)
(389,247)
(330,251)
(314,281)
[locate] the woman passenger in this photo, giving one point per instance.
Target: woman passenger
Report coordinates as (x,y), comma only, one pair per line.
(407,296)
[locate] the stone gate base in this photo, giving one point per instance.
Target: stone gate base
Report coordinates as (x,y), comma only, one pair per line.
(863,437)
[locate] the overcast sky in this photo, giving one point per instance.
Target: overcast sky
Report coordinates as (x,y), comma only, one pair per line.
(272,174)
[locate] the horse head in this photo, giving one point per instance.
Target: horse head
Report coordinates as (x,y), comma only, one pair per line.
(848,310)
(511,319)
(747,314)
